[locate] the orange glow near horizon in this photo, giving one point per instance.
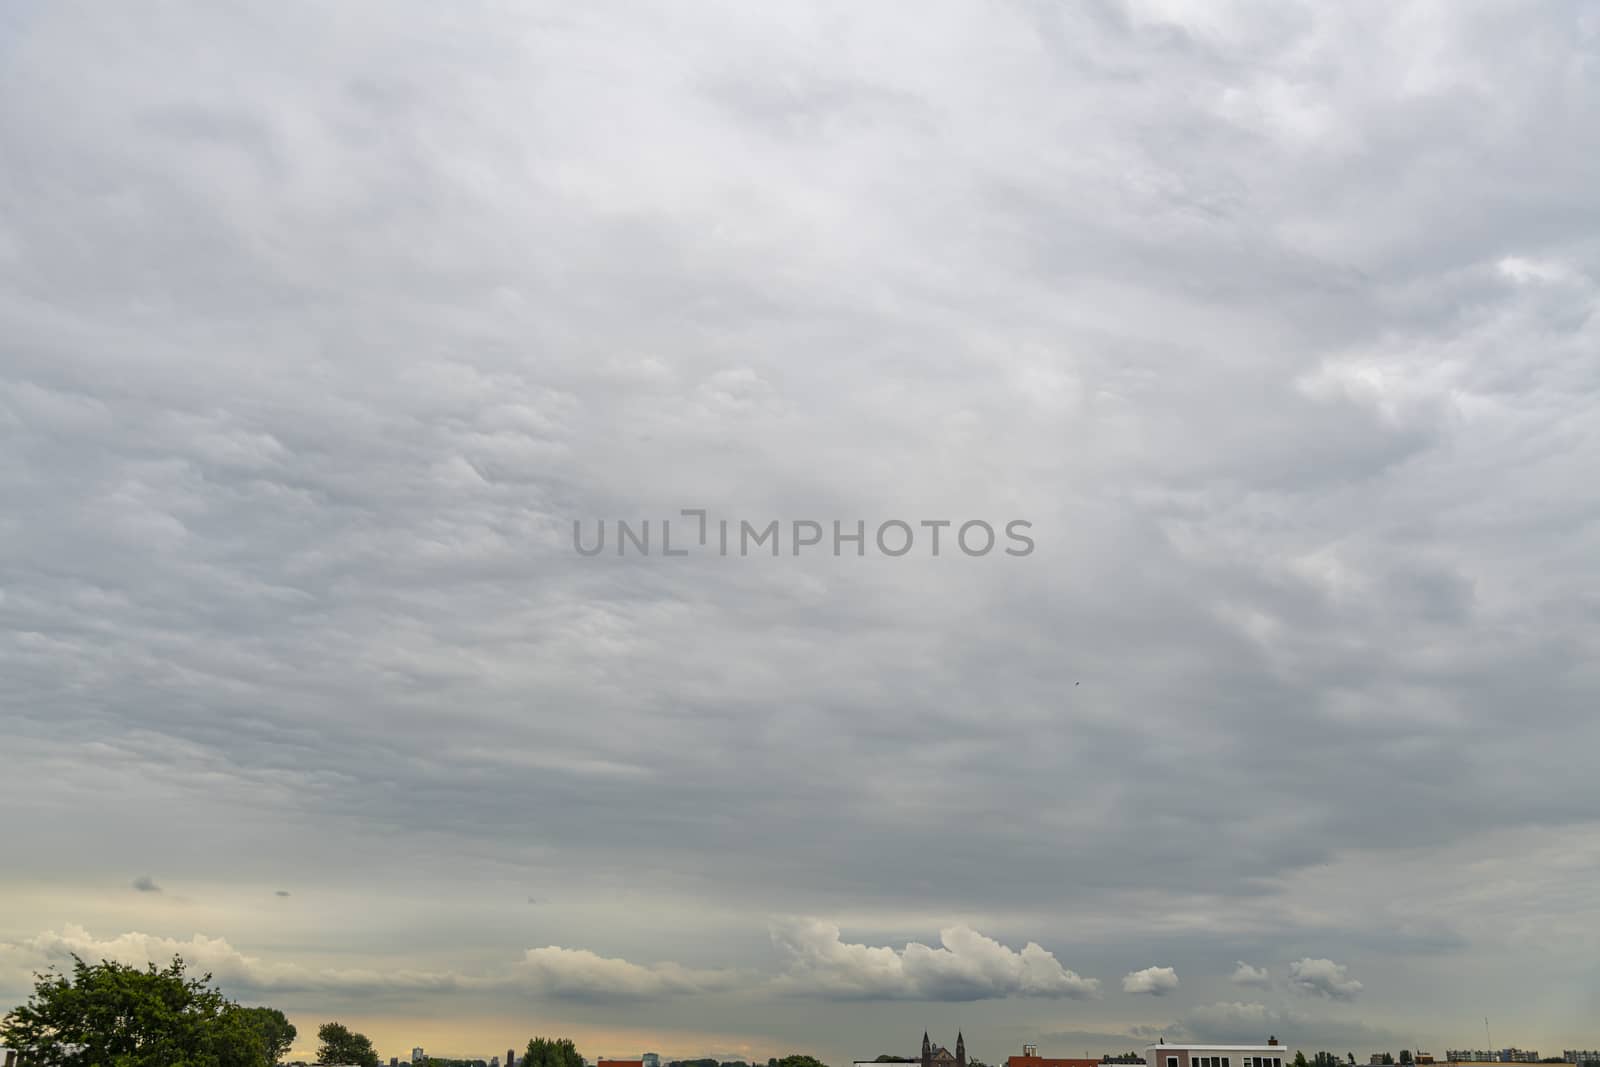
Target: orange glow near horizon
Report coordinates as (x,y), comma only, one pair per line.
(484,1036)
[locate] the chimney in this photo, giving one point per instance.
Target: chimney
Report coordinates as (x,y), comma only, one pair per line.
(1272,1040)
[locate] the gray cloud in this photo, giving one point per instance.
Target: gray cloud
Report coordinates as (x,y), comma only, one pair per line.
(1322,978)
(578,974)
(233,969)
(1225,1021)
(1250,977)
(145,884)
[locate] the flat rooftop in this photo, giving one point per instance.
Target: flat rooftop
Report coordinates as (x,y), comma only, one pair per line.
(1222,1048)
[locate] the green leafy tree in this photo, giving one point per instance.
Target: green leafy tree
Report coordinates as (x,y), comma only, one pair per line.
(1300,1059)
(552,1052)
(276,1031)
(1405,1055)
(340,1044)
(111,1014)
(235,1040)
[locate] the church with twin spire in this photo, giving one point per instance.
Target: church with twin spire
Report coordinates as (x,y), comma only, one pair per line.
(939,1056)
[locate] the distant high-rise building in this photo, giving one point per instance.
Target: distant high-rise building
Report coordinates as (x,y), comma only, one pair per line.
(511,1057)
(494,1061)
(1580,1055)
(651,1059)
(418,1056)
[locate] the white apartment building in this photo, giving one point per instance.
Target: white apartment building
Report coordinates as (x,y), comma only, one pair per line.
(1164,1055)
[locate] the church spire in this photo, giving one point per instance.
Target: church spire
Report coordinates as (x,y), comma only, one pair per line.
(927,1050)
(961,1050)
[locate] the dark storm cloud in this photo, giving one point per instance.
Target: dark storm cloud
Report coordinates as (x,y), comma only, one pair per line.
(1276,320)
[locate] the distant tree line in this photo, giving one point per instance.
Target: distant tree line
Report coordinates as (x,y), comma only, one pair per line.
(785,1061)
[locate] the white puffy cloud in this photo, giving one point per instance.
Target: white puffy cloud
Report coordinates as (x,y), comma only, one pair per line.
(966,966)
(1154,981)
(1323,978)
(578,974)
(1250,977)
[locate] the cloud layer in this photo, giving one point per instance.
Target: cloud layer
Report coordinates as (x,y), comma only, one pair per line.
(816,962)
(1276,318)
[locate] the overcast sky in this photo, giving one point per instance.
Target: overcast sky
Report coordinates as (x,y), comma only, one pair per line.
(321,324)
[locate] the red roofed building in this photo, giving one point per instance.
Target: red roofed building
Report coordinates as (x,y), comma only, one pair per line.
(1030,1058)
(619,1063)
